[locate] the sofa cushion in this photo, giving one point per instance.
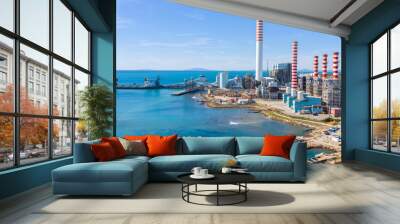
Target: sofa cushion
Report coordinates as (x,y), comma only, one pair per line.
(208,145)
(103,152)
(277,145)
(161,145)
(83,152)
(257,163)
(116,145)
(185,163)
(249,145)
(112,171)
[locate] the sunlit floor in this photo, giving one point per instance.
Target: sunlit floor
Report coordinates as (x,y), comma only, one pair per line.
(379,191)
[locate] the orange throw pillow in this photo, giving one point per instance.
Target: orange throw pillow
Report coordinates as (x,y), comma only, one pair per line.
(277,145)
(161,145)
(142,138)
(116,145)
(103,151)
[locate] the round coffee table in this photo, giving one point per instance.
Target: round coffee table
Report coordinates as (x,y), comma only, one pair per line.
(238,179)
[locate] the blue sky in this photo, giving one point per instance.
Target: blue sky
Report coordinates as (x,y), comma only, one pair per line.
(159,34)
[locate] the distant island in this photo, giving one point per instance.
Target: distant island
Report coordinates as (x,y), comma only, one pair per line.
(197,69)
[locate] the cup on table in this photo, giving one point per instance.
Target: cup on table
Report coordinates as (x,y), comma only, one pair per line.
(203,172)
(226,170)
(196,171)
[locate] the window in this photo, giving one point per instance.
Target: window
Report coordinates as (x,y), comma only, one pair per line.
(46,76)
(62,29)
(31,76)
(3,77)
(3,61)
(81,82)
(62,137)
(81,45)
(6,142)
(30,87)
(385,97)
(61,75)
(35,21)
(7,14)
(6,74)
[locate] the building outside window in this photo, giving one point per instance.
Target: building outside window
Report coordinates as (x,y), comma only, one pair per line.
(30,72)
(34,75)
(30,87)
(385,97)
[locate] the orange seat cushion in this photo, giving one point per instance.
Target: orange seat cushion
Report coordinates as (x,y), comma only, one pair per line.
(103,152)
(116,145)
(277,145)
(161,145)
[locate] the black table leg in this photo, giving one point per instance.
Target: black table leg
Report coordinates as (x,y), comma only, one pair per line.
(217,194)
(245,193)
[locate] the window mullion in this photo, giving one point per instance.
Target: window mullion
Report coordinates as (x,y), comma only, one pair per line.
(50,77)
(389,101)
(73,82)
(16,85)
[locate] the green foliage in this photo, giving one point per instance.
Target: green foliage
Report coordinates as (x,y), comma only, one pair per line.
(97,104)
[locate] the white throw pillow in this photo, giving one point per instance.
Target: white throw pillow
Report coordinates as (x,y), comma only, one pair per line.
(137,147)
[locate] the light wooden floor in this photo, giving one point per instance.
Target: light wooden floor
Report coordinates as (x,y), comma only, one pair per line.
(379,189)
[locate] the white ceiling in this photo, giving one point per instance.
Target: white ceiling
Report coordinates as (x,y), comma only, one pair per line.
(326,16)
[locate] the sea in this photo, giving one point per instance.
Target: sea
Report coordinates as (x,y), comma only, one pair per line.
(156,111)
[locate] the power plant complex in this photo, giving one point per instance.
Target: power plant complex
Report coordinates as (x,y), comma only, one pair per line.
(312,92)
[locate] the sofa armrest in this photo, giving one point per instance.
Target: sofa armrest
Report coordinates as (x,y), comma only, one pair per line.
(83,152)
(298,155)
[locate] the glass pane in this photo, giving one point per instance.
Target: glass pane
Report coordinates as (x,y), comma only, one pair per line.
(379,55)
(81,45)
(62,29)
(33,139)
(7,14)
(395,47)
(81,131)
(81,82)
(62,89)
(6,142)
(395,94)
(62,138)
(34,97)
(6,75)
(379,98)
(395,138)
(35,21)
(379,135)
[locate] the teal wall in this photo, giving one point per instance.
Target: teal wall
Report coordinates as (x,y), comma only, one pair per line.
(24,178)
(100,17)
(356,109)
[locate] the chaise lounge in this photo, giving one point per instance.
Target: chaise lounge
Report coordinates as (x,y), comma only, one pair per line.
(125,176)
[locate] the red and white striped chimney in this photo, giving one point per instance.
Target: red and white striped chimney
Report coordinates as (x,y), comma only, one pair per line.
(294,67)
(259,49)
(324,66)
(315,67)
(335,65)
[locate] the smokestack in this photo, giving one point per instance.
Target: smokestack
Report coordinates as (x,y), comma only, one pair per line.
(315,67)
(259,49)
(324,66)
(294,68)
(335,65)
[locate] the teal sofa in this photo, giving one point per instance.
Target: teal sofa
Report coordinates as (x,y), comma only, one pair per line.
(125,176)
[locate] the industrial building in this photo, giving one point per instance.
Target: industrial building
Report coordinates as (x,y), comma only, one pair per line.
(281,73)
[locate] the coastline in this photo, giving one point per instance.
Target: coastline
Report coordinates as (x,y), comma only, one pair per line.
(314,136)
